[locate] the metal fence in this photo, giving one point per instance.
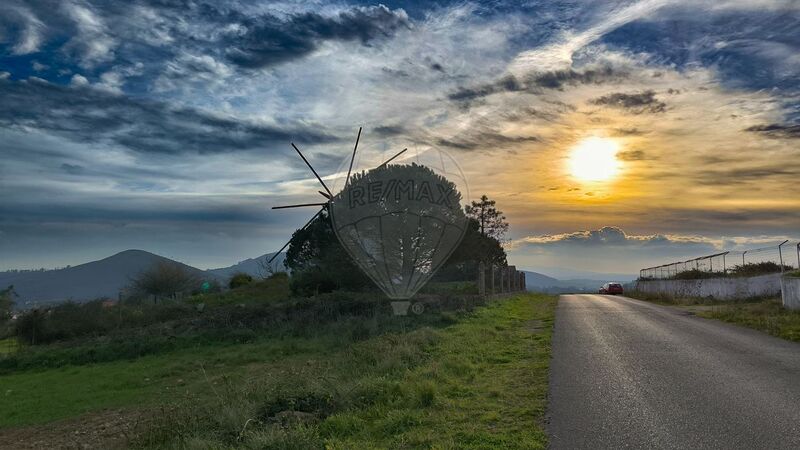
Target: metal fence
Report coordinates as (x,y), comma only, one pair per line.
(785,256)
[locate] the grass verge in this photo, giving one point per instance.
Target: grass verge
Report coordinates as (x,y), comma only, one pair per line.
(479,383)
(765,314)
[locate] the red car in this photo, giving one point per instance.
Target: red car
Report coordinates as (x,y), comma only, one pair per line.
(611,288)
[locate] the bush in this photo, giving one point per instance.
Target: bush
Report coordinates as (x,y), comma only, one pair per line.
(741,270)
(239,279)
(754,269)
(97,318)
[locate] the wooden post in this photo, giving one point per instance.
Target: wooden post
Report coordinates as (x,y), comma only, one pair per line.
(492,270)
(502,280)
(482,279)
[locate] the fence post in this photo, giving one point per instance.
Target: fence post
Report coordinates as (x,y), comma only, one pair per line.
(512,278)
(780,253)
(743,253)
(502,281)
(482,279)
(798,255)
(492,269)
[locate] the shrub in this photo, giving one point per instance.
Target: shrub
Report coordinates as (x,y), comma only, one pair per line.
(164,279)
(239,279)
(754,269)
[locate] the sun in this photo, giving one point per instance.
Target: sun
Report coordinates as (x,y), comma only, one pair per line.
(594,159)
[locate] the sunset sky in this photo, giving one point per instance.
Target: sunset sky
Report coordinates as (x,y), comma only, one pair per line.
(614,135)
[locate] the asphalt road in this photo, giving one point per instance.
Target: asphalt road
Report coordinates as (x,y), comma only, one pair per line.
(630,374)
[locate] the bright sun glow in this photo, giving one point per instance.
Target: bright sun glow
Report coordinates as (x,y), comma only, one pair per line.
(594,159)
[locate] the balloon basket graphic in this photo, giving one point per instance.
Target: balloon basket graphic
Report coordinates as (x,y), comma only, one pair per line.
(399,221)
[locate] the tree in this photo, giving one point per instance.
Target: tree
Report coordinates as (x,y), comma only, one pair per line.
(164,279)
(318,261)
(473,249)
(239,279)
(491,221)
(7,302)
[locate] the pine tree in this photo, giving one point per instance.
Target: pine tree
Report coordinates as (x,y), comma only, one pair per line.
(491,221)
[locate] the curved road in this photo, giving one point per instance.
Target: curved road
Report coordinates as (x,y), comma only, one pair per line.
(631,374)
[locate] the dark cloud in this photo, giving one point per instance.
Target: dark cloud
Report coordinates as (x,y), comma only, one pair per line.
(640,103)
(72,169)
(749,174)
(611,236)
(389,130)
(484,141)
(629,132)
(747,48)
(270,40)
(632,155)
(536,82)
(777,130)
(85,114)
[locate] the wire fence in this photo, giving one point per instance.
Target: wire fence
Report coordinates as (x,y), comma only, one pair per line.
(756,261)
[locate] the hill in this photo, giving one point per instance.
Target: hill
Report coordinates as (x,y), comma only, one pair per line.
(536,281)
(96,279)
(251,266)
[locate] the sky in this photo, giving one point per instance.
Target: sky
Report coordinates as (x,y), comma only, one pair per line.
(614,135)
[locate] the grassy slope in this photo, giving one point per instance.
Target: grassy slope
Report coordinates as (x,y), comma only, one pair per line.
(40,396)
(767,315)
(480,383)
(484,386)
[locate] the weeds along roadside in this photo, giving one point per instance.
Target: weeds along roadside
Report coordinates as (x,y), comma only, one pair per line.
(347,315)
(483,379)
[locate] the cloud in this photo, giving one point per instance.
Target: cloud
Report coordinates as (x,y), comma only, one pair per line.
(31,29)
(93,42)
(269,40)
(640,103)
(609,236)
(86,114)
(72,169)
(389,130)
(535,82)
(632,155)
(483,141)
(628,132)
(776,130)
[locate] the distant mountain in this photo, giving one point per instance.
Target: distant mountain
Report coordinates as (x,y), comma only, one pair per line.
(251,266)
(96,279)
(535,281)
(565,274)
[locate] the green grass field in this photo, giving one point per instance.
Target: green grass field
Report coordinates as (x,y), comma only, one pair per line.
(477,383)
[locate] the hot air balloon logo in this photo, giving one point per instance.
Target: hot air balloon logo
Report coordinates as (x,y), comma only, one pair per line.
(399,222)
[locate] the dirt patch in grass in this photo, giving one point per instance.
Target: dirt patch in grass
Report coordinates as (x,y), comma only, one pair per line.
(110,429)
